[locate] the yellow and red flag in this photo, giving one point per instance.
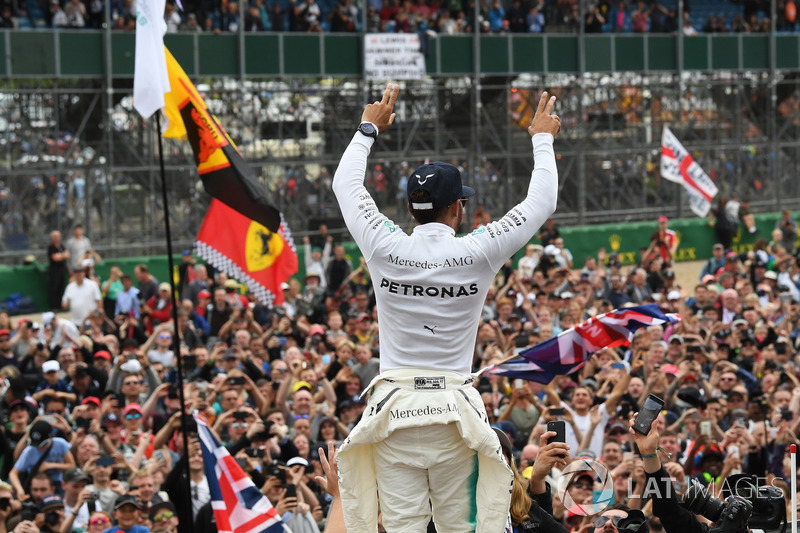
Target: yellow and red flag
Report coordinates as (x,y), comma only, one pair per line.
(219,163)
(243,234)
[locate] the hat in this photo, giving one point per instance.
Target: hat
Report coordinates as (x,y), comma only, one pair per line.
(663,218)
(133,366)
(670,369)
(551,249)
(284,286)
(110,417)
(669,274)
(708,278)
(229,354)
(132,407)
(313,274)
(673,295)
(731,256)
(204,294)
(102,354)
(739,322)
(5,333)
(77,269)
(718,246)
(76,475)
(88,262)
(351,401)
(156,509)
(41,430)
(586,454)
(53,501)
(129,342)
(50,366)
(316,330)
(47,318)
(363,316)
(568,385)
(186,252)
(301,385)
(231,284)
(616,426)
(567,295)
(442,181)
(126,499)
(92,399)
(771,274)
(691,395)
(296,461)
(164,286)
(589,382)
(676,337)
(505,442)
(17,403)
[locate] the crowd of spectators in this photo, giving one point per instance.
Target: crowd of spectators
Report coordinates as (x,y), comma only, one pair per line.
(406,16)
(91,432)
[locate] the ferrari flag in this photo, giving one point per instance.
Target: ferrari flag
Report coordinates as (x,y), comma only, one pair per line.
(248,251)
(678,165)
(219,163)
(570,349)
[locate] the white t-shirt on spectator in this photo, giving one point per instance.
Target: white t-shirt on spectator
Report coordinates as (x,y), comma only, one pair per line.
(584,424)
(82,300)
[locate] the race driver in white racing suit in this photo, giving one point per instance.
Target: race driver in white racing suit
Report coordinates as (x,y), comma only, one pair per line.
(424,445)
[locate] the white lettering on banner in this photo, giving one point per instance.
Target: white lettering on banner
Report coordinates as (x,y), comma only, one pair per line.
(392,56)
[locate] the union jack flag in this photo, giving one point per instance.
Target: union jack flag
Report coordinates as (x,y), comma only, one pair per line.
(239,507)
(570,349)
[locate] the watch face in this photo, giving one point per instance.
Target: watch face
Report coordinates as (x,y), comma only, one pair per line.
(368,128)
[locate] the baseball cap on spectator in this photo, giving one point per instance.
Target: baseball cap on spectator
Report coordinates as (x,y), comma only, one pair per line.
(301,385)
(41,430)
(130,343)
(551,249)
(771,274)
(732,256)
(126,499)
(77,269)
(739,322)
(229,354)
(589,382)
(159,508)
(284,286)
(363,316)
(669,274)
(296,461)
(708,278)
(691,395)
(566,295)
(53,501)
(5,333)
(351,401)
(102,354)
(76,475)
(586,454)
(673,295)
(316,330)
(617,427)
(663,218)
(313,274)
(88,262)
(110,417)
(164,286)
(442,181)
(231,284)
(92,399)
(676,338)
(47,318)
(204,294)
(505,442)
(104,460)
(17,403)
(132,407)
(568,385)
(133,366)
(50,366)
(670,369)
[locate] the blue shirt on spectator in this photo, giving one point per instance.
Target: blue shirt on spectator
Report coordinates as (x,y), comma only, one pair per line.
(31,455)
(136,528)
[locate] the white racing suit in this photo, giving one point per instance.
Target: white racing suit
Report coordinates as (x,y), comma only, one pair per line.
(430,287)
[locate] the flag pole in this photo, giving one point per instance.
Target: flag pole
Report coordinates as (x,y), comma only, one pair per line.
(176,345)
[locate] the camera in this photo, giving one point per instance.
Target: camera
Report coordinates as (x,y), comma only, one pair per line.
(29,510)
(730,516)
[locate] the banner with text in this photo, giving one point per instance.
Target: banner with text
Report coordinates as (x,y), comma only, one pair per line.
(393,56)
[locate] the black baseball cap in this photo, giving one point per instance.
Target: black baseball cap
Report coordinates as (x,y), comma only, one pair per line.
(41,430)
(443,183)
(126,499)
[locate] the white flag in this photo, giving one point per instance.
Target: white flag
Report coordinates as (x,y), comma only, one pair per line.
(678,166)
(150,78)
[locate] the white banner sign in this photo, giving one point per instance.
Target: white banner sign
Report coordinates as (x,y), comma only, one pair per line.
(393,56)
(678,165)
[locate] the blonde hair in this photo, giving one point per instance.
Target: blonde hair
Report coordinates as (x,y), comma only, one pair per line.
(520,500)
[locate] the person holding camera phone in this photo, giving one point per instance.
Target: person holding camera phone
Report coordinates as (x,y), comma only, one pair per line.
(430,287)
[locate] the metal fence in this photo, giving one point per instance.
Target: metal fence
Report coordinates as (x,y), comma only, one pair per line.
(76,152)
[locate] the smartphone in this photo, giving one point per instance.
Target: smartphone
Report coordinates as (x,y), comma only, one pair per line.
(236,381)
(733,451)
(82,422)
(326,359)
(560,428)
(705,427)
(647,414)
(518,384)
(558,411)
(291,490)
(256,453)
(240,415)
(689,357)
(131,356)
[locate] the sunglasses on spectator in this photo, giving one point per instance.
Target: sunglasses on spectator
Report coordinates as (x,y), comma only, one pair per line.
(166,515)
(138,382)
(164,336)
(133,416)
(298,417)
(580,485)
(600,521)
(727,379)
(99,520)
(240,425)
